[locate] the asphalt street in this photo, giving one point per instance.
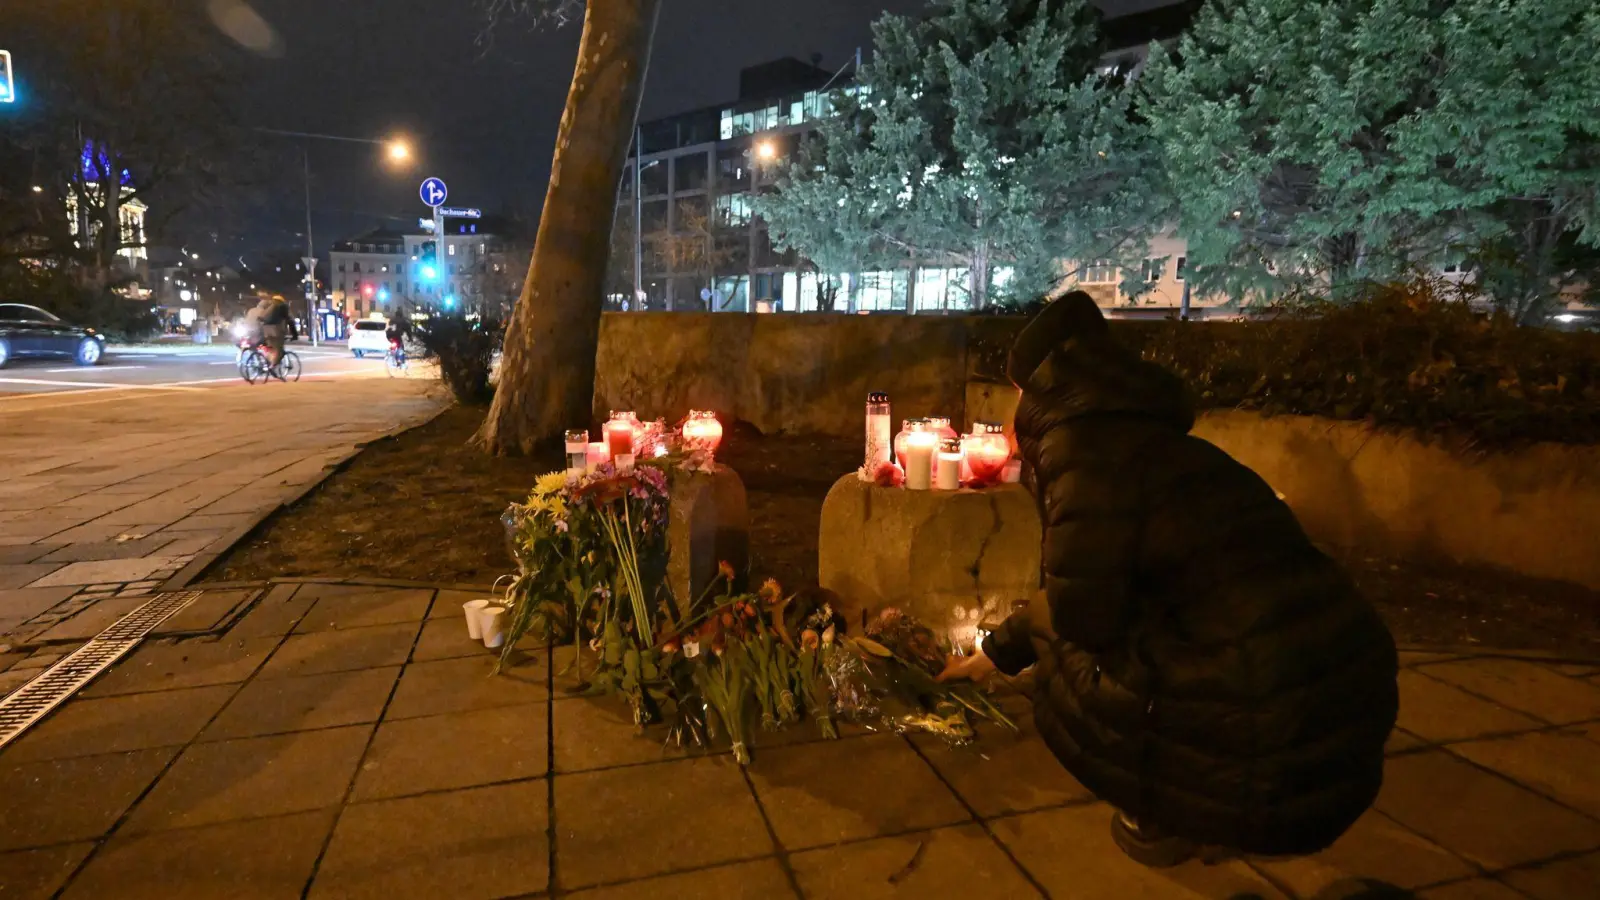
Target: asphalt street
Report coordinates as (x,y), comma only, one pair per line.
(145,368)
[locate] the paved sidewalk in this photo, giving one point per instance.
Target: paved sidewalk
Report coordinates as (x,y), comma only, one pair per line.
(344,740)
(107,494)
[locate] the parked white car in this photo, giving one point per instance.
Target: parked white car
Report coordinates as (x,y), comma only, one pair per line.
(369,336)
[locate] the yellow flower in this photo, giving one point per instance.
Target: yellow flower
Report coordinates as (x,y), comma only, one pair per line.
(553,483)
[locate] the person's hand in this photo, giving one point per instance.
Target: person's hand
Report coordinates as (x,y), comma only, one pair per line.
(976,667)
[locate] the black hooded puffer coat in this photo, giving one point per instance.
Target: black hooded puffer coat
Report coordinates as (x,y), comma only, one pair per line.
(1201,665)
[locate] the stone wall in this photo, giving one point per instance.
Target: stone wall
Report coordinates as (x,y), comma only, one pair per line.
(1536,511)
(781,373)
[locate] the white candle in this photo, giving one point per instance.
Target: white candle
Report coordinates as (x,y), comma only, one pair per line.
(948,478)
(919,460)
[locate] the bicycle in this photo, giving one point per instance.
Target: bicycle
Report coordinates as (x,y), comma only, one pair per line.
(254,367)
(395,362)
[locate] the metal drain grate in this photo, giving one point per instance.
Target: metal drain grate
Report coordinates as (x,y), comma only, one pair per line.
(55,685)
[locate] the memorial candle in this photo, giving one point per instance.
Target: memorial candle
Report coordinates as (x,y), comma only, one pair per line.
(879,432)
(921,445)
(577,451)
(595,456)
(986,451)
(702,431)
(947,474)
(620,432)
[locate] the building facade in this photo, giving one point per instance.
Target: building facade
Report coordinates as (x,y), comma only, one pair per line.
(687,240)
(387,269)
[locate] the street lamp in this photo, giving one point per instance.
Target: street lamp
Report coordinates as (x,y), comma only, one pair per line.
(399,151)
(764,151)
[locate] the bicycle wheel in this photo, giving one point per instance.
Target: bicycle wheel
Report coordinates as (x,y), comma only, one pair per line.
(253,367)
(289,366)
(395,365)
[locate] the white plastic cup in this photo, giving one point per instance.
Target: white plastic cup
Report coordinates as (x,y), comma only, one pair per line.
(474,610)
(493,623)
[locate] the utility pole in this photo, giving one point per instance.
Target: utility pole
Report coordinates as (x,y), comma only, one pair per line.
(638,219)
(311,254)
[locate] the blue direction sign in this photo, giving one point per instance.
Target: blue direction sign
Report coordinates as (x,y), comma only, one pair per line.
(460,212)
(7,90)
(434,192)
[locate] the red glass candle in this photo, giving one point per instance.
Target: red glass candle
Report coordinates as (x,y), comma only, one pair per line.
(702,431)
(986,452)
(620,431)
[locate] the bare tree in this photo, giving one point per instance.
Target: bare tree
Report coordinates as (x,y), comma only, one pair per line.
(547,371)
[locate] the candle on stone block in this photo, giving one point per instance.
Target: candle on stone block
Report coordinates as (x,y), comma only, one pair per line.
(940,425)
(947,473)
(577,451)
(879,432)
(702,431)
(620,431)
(921,446)
(986,452)
(906,428)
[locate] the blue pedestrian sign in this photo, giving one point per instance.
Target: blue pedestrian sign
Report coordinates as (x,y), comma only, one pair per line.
(434,192)
(7,91)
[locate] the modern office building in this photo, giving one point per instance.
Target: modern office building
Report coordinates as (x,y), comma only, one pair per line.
(688,241)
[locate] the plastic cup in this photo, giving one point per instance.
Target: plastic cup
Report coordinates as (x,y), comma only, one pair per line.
(474,610)
(493,623)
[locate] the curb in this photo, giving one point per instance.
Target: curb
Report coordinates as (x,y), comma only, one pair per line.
(208,557)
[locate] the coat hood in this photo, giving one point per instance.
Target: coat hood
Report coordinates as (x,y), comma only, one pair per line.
(1067,359)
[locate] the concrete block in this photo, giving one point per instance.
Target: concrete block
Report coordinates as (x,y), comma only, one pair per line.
(710,523)
(952,558)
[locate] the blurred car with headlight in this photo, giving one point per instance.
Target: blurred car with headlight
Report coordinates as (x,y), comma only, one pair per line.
(28,331)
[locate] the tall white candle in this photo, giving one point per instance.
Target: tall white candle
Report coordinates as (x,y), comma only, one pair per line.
(948,476)
(919,460)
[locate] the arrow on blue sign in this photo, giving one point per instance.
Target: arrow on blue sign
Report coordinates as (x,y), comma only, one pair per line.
(433,192)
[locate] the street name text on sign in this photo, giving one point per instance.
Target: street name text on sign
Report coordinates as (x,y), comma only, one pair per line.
(433,192)
(457,212)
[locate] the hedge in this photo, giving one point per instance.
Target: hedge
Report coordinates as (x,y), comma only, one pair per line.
(1402,357)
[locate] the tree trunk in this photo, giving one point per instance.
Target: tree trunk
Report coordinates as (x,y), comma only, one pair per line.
(547,371)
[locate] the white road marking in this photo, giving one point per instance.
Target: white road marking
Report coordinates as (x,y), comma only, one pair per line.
(103,368)
(58,383)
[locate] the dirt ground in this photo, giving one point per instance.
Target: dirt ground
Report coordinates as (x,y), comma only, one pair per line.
(424,506)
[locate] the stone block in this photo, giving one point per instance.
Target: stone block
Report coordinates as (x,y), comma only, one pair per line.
(710,523)
(952,558)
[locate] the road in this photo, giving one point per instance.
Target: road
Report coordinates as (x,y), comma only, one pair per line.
(158,368)
(115,478)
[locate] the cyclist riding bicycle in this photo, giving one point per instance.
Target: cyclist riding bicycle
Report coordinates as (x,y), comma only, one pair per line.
(397,332)
(274,326)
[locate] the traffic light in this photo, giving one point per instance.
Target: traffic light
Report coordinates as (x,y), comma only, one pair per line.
(450,302)
(430,261)
(383,296)
(366,289)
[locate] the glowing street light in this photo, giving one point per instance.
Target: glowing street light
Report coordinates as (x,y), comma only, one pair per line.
(766,150)
(37,189)
(399,151)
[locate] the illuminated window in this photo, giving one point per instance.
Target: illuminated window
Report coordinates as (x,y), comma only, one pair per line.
(1101,271)
(452,251)
(1152,270)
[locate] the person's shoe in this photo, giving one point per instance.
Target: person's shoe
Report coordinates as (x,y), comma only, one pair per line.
(1148,847)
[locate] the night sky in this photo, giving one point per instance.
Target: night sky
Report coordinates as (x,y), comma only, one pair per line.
(481,116)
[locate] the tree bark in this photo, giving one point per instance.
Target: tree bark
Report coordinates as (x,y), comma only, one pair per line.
(547,370)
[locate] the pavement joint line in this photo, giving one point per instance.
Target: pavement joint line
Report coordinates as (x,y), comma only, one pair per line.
(383,713)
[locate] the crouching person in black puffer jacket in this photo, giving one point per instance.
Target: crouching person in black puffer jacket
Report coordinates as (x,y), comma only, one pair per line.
(1201,666)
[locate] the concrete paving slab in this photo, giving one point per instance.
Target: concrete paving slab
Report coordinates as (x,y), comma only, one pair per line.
(457,685)
(1574,877)
(704,815)
(93,619)
(62,800)
(279,705)
(469,844)
(824,793)
(958,863)
(251,778)
(1094,868)
(1437,711)
(1471,889)
(112,549)
(262,858)
(985,773)
(207,613)
(25,603)
(1529,687)
(380,607)
(341,651)
(38,874)
(1483,817)
(164,665)
(26,574)
(117,724)
(599,733)
(447,639)
(760,879)
(411,756)
(16,554)
(111,570)
(276,613)
(1376,847)
(1561,766)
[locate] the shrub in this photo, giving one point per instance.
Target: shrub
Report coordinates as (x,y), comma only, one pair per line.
(1406,356)
(465,350)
